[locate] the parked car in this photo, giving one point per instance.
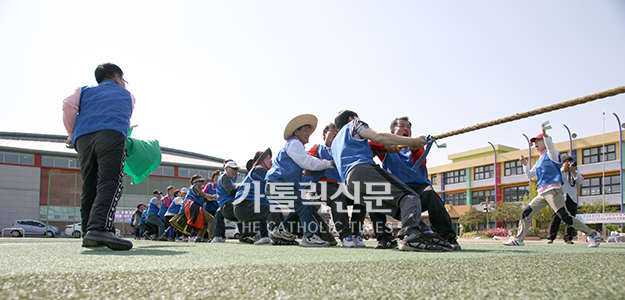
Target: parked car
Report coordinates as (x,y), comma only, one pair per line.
(367,233)
(232,232)
(34,228)
(75,230)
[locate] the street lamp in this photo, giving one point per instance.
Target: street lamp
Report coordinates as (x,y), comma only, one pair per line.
(529,152)
(620,140)
(571,137)
(494,172)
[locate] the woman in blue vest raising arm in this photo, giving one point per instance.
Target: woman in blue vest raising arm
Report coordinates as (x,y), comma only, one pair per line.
(550,192)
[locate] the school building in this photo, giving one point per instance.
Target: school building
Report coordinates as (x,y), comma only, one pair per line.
(40,179)
(495,173)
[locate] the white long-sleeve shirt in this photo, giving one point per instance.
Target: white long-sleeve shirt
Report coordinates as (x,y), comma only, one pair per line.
(295,150)
(554,155)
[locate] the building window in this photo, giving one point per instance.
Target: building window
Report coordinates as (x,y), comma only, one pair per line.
(478,197)
(483,172)
(594,155)
(60,162)
(166,171)
(186,172)
(593,186)
(513,168)
(17,158)
(515,194)
(434,179)
(455,176)
(456,199)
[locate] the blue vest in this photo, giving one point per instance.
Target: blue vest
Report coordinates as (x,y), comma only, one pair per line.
(103,106)
(254,182)
(211,205)
(548,171)
(183,203)
(284,169)
(174,208)
(400,164)
(163,209)
(222,196)
(324,152)
(152,208)
(144,217)
(349,152)
(192,196)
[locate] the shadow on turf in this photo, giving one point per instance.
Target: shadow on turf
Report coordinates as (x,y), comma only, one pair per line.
(148,250)
(465,250)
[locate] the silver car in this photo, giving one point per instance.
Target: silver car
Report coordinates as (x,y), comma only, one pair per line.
(34,228)
(75,230)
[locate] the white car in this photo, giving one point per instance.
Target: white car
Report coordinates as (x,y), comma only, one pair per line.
(75,230)
(232,232)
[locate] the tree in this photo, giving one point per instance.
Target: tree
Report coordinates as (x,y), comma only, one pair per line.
(507,213)
(472,218)
(595,206)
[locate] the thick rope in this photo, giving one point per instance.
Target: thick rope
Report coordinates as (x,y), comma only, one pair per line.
(573,102)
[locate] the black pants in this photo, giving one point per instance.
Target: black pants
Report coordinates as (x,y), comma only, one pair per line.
(554,226)
(339,211)
(253,220)
(434,205)
(225,212)
(101,155)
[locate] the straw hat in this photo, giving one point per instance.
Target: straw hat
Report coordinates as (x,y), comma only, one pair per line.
(299,121)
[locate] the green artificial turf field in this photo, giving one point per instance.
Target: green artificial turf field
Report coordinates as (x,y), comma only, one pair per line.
(60,269)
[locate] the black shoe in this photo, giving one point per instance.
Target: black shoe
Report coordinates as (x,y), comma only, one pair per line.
(247,240)
(549,241)
(328,237)
(438,240)
(97,238)
(569,242)
(91,244)
(283,242)
(454,244)
(386,242)
(420,242)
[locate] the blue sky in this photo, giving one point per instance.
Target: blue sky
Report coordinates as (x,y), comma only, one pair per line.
(223,78)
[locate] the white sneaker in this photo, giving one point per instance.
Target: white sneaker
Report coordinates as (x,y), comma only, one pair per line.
(281,233)
(348,242)
(594,239)
(263,241)
(313,241)
(513,242)
(218,239)
(358,241)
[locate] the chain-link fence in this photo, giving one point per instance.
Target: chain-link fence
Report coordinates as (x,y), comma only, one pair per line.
(61,194)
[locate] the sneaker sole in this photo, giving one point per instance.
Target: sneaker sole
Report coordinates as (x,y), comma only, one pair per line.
(387,245)
(281,242)
(314,245)
(406,247)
